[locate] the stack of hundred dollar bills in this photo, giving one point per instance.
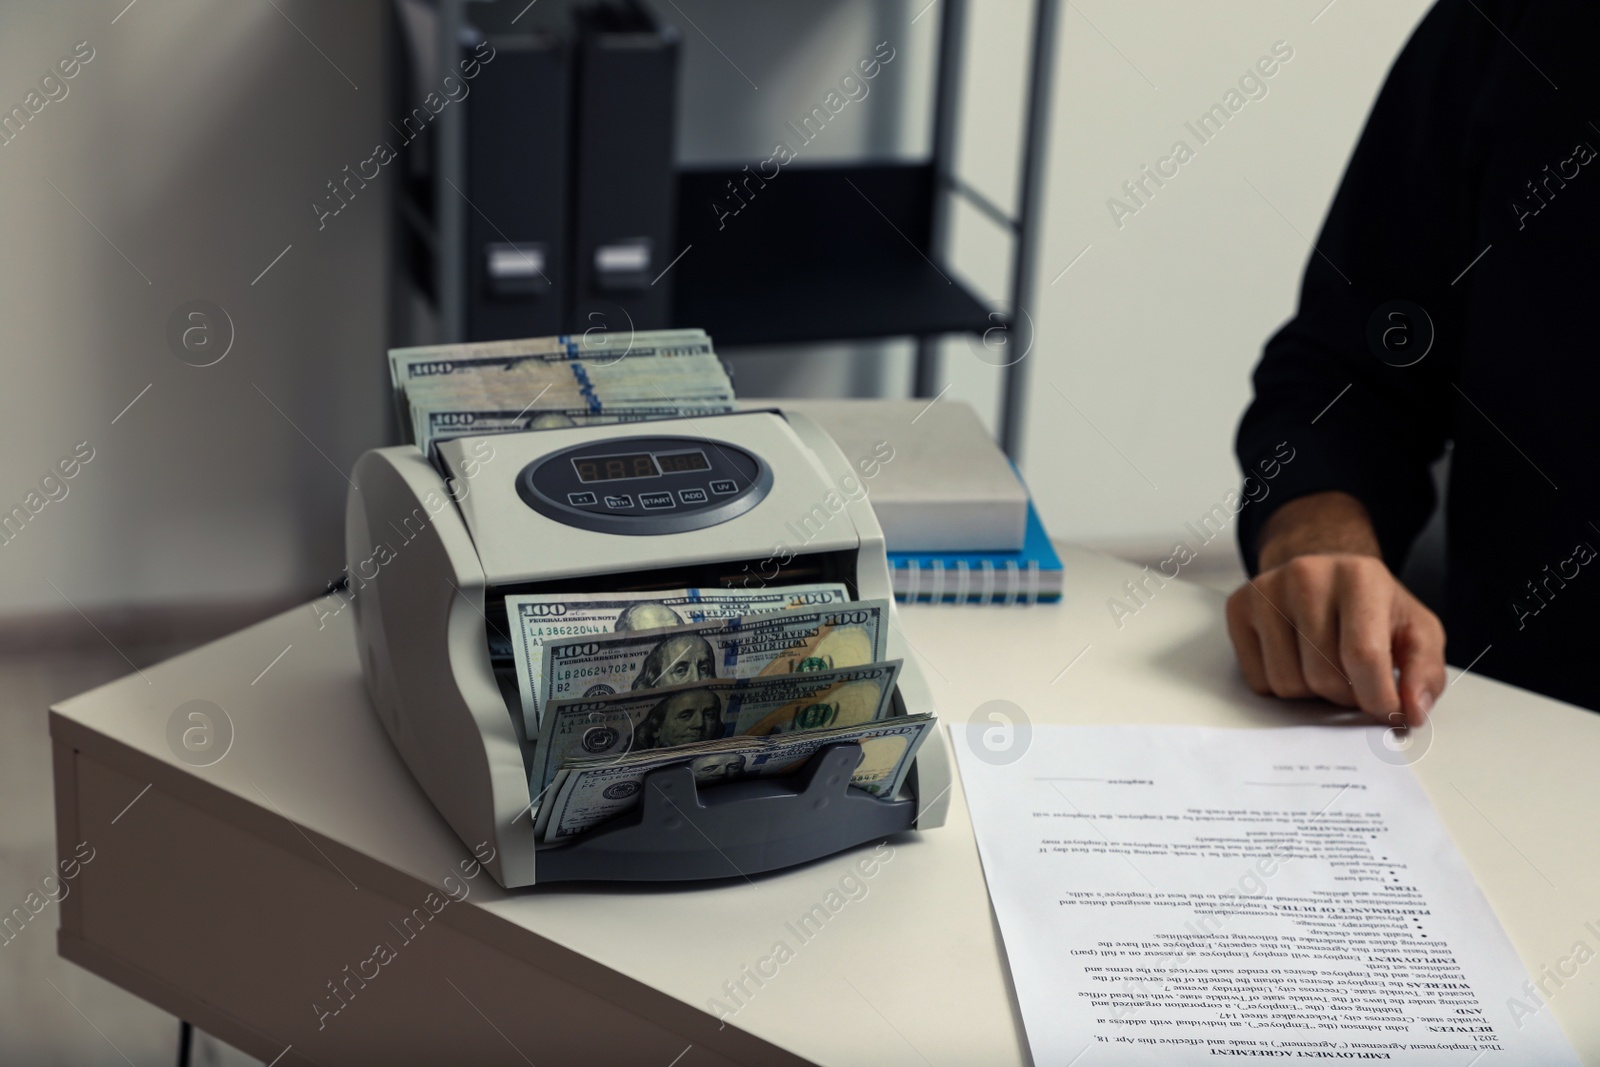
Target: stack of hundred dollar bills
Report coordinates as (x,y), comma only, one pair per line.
(537,383)
(737,683)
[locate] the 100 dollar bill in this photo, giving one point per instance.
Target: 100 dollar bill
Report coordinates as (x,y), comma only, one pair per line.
(540,617)
(430,424)
(562,381)
(625,723)
(632,375)
(747,646)
(406,364)
(589,792)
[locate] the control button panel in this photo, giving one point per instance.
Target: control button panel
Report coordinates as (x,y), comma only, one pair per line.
(645,485)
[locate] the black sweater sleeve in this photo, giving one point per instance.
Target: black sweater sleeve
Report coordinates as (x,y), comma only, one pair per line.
(1402,226)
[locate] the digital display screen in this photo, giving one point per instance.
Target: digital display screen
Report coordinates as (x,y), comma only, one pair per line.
(614,468)
(679,462)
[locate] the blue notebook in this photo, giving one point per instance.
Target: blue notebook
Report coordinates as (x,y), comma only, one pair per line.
(1024,577)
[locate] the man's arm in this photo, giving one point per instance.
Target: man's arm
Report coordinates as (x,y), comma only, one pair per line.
(1326,618)
(1325,615)
(1364,421)
(1319,524)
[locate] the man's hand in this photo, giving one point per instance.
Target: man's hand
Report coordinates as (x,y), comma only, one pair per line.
(1326,618)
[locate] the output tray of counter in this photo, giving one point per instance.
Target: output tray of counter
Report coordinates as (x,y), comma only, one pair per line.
(947,487)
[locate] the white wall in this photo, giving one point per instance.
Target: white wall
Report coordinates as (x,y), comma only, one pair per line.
(1153,333)
(195,141)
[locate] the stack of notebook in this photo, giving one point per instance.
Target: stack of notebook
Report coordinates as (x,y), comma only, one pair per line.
(1031,573)
(956,517)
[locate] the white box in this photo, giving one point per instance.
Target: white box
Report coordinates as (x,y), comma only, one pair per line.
(947,487)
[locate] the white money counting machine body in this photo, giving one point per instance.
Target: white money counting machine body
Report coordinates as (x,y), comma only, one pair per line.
(746,499)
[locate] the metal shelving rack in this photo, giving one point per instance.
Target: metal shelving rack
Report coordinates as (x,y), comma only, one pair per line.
(860,244)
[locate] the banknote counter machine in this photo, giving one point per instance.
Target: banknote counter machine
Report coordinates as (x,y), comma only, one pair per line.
(653,505)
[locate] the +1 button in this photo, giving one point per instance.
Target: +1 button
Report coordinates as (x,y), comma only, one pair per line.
(579,500)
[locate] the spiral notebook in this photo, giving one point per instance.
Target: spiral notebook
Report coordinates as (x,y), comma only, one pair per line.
(1028,576)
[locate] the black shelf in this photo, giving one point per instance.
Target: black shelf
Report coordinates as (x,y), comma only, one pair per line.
(790,255)
(815,254)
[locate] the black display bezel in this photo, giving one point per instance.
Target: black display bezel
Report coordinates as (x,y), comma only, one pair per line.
(746,469)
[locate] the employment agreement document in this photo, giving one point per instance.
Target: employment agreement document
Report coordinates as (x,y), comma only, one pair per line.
(1185,895)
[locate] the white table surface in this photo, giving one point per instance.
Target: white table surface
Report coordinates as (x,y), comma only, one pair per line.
(913,972)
